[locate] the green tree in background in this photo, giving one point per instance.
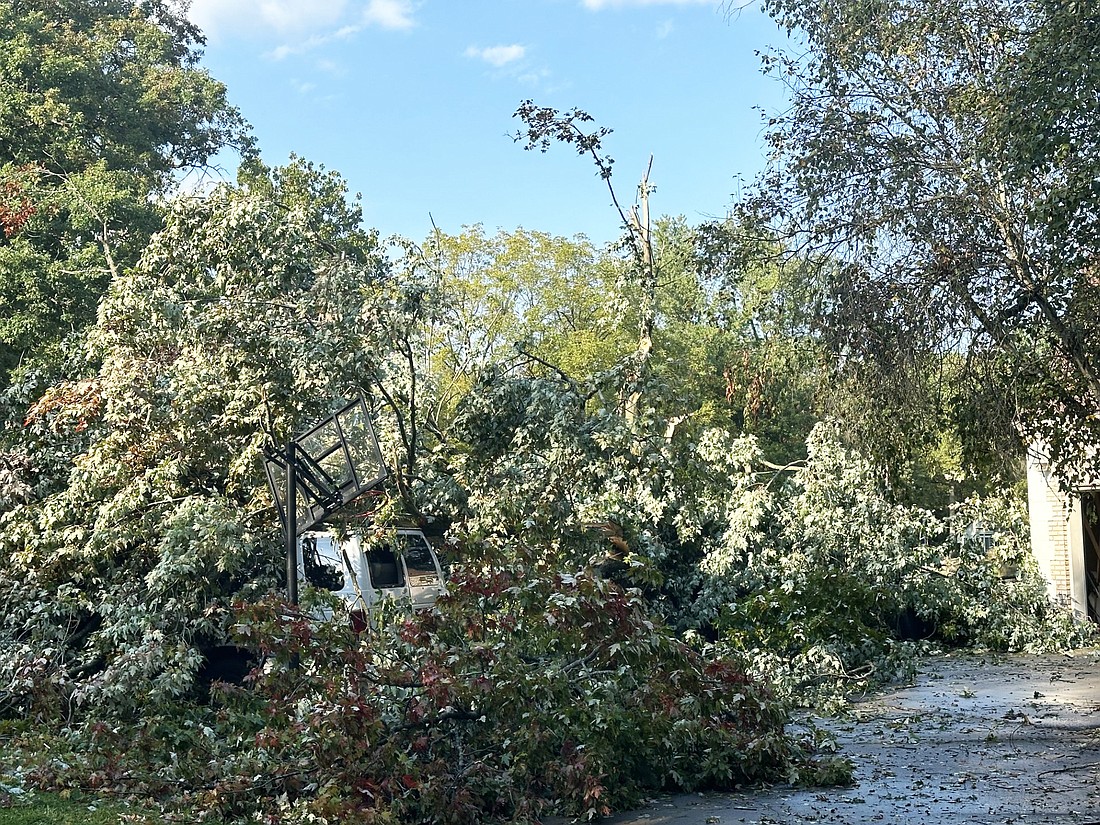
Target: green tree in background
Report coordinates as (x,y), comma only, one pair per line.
(544,126)
(523,297)
(940,158)
(734,345)
(102,106)
(731,341)
(722,336)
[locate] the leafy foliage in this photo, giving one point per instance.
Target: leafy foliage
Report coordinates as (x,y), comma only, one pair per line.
(522,299)
(525,691)
(528,687)
(247,299)
(101,104)
(823,583)
(911,163)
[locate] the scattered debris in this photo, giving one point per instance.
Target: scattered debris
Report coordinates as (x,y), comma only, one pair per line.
(969,766)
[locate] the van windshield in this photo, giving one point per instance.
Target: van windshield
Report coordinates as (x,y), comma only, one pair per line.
(322,562)
(418,557)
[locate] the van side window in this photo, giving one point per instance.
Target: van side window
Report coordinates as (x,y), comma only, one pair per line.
(385,571)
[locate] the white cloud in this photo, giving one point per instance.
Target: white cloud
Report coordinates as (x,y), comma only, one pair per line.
(497,55)
(222,16)
(665,29)
(598,5)
(369,18)
(300,17)
(389,14)
(310,43)
(538,78)
(330,67)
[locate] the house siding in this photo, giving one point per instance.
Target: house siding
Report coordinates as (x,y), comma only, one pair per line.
(1056,536)
(1049,512)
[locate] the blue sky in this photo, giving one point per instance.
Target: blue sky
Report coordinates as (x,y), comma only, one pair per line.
(412,101)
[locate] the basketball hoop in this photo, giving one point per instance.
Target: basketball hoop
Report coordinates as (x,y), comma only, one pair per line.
(331,465)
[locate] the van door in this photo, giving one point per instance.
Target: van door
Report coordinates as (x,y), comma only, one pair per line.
(422,569)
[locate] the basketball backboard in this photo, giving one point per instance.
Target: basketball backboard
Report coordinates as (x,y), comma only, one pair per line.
(334,462)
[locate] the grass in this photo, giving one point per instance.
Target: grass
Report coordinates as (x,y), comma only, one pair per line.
(18,743)
(53,809)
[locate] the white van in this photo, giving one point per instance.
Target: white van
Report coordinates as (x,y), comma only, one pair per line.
(403,567)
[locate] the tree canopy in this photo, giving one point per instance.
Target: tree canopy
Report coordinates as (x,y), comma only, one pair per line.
(941,156)
(102,106)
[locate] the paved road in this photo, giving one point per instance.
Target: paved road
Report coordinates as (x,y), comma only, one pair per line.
(1007,740)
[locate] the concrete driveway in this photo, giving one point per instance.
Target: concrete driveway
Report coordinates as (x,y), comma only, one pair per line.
(1005,739)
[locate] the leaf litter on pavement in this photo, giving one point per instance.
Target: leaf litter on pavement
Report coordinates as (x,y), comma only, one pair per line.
(1005,739)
